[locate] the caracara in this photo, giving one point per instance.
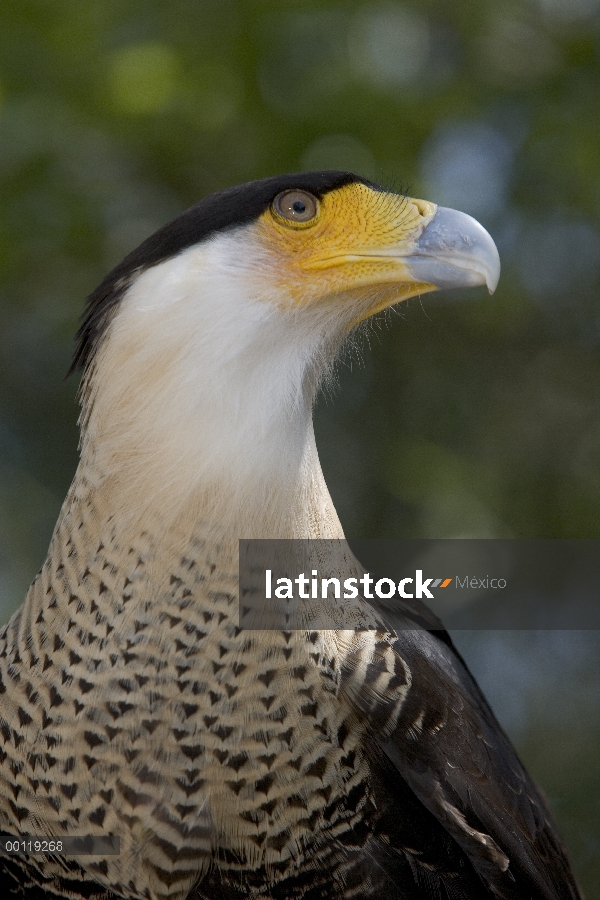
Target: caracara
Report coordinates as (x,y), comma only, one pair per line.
(231,764)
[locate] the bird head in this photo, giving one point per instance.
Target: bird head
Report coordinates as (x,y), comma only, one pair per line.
(203,350)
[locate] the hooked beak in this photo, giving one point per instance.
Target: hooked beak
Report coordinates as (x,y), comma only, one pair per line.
(453,250)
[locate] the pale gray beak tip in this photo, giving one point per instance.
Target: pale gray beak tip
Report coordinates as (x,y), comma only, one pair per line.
(454,250)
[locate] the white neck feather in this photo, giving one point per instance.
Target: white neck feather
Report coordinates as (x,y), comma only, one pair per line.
(199,403)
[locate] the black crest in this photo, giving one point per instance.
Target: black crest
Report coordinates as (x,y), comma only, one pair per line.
(218,212)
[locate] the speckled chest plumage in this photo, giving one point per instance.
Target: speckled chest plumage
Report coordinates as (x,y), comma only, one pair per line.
(137,707)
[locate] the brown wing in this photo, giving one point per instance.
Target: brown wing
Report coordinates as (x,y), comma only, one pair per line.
(444,742)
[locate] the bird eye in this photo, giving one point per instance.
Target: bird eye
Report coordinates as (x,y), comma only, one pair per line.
(296,206)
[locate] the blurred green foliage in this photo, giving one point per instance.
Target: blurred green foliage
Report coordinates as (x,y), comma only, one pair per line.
(457,415)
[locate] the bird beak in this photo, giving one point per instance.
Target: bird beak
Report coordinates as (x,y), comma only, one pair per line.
(453,251)
(371,250)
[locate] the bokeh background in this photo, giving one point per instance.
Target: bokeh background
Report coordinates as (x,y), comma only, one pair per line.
(457,415)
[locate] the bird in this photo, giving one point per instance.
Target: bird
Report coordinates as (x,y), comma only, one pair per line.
(232,763)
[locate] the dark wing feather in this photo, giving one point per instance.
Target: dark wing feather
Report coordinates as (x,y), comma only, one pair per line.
(449,749)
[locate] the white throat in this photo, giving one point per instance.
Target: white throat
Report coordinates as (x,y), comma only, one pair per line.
(199,403)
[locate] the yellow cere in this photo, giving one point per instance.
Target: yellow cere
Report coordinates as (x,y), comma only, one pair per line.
(355,242)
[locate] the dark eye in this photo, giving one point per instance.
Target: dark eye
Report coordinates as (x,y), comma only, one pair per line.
(296,206)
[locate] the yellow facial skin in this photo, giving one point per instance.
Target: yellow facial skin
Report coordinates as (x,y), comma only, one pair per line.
(355,242)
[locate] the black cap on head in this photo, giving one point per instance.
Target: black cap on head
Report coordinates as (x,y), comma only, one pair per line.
(218,212)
